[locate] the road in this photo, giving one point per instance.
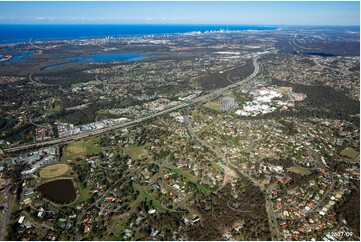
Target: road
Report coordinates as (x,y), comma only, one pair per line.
(5,217)
(237,209)
(302,47)
(37,47)
(89,133)
(36,83)
(319,205)
(92,205)
(238,171)
(219,155)
(273,218)
(30,218)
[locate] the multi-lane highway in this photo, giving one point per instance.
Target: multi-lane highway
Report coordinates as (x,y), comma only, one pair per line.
(6,215)
(89,133)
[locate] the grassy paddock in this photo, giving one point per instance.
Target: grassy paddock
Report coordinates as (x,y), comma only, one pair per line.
(299,170)
(351,153)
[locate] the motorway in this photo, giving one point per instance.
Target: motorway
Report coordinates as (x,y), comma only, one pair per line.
(89,133)
(6,215)
(36,83)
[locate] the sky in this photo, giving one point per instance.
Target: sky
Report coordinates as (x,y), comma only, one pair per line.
(252,13)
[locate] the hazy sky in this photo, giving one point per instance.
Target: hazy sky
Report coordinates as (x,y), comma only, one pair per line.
(263,13)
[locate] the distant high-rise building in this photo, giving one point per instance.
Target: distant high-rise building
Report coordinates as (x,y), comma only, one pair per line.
(227,103)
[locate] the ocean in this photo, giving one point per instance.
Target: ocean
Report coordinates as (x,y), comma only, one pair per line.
(15,33)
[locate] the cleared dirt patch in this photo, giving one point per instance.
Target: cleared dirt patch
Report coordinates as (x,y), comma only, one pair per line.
(229,175)
(53,170)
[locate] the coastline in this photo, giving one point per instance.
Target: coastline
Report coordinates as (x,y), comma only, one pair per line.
(21,34)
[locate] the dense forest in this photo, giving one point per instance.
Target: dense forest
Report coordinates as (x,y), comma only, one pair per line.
(218,80)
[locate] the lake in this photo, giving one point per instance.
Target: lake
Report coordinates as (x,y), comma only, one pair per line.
(19,56)
(108,57)
(60,191)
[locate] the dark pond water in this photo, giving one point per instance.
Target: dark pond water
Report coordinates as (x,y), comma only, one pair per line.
(15,137)
(59,191)
(4,122)
(320,54)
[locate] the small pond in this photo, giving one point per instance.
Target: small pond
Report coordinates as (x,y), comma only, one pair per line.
(60,191)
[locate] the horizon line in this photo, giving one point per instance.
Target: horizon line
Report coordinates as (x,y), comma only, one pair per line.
(189,24)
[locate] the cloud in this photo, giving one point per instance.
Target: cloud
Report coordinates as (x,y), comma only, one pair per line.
(162,19)
(89,19)
(44,18)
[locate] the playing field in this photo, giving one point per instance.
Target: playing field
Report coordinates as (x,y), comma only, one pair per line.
(80,148)
(53,170)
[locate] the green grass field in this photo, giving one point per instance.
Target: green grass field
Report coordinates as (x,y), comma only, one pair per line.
(80,148)
(144,195)
(103,111)
(117,227)
(84,195)
(136,152)
(216,167)
(200,187)
(214,105)
(57,108)
(351,153)
(299,170)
